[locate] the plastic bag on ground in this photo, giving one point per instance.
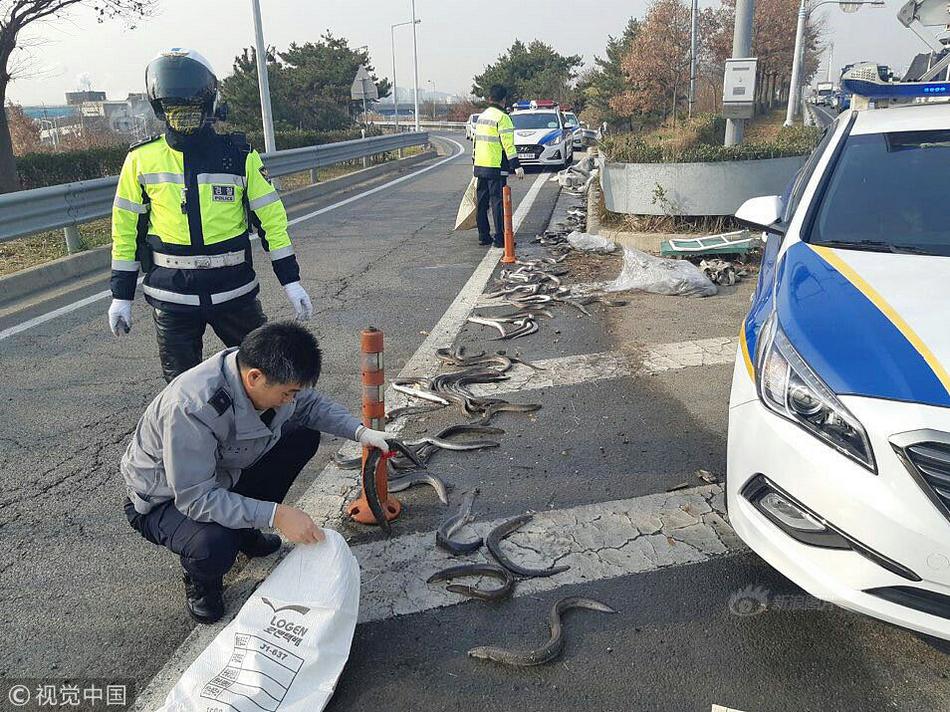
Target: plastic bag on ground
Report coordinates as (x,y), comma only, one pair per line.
(646,273)
(287,646)
(465,219)
(585,242)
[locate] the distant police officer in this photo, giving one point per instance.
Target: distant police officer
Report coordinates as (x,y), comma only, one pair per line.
(215,453)
(181,214)
(495,159)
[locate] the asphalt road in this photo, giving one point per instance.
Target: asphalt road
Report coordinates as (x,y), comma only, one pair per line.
(83,595)
(681,639)
(823,115)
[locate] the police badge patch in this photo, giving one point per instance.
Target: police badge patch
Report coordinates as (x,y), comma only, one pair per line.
(264,173)
(222,193)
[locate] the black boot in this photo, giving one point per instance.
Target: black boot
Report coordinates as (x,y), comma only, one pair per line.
(254,543)
(204,599)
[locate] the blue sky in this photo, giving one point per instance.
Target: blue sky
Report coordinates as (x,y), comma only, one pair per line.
(455,40)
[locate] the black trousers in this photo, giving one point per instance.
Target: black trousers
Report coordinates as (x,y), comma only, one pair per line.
(207,549)
(488,197)
(180,333)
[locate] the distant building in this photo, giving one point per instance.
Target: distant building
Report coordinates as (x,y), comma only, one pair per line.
(74,98)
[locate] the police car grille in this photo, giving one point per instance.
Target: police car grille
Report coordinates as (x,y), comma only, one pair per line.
(932,461)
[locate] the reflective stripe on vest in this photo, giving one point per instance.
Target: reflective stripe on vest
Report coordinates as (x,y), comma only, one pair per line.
(193,299)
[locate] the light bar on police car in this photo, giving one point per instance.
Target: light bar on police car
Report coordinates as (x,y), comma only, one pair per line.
(865,80)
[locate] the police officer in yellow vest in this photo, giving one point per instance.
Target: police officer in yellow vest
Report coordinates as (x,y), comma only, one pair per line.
(184,206)
(495,159)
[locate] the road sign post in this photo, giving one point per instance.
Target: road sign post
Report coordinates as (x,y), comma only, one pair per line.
(363,89)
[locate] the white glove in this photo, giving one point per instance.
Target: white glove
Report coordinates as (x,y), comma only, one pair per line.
(519,171)
(372,438)
(120,316)
(300,300)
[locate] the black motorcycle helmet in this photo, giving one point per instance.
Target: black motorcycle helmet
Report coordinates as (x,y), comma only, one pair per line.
(182,77)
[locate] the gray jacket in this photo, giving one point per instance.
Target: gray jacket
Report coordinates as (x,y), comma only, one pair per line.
(202,430)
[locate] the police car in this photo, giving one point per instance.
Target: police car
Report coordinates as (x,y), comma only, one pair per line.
(839,418)
(541,136)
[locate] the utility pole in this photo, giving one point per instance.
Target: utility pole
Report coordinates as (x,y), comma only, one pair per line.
(741,49)
(392,35)
(831,53)
(415,63)
(693,41)
(794,88)
(269,144)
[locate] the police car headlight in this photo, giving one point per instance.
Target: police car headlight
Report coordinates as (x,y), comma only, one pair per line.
(788,386)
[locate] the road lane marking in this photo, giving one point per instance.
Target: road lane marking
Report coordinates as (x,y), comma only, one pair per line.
(585,368)
(69,308)
(325,500)
(598,541)
(373,191)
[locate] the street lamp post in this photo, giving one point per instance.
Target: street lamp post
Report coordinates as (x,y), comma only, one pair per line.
(261,51)
(693,37)
(415,64)
(804,12)
(392,33)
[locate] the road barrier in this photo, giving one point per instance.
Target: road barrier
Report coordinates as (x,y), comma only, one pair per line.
(64,206)
(405,123)
(374,416)
(509,257)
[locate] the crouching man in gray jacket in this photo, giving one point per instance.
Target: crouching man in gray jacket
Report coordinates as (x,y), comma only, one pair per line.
(215,453)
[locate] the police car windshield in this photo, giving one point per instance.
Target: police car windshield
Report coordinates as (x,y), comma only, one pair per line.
(543,120)
(888,193)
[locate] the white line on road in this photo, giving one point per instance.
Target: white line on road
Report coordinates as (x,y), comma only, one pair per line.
(326,498)
(378,188)
(598,541)
(586,368)
(48,316)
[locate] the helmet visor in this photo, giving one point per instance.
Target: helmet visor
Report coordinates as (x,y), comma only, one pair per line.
(180,79)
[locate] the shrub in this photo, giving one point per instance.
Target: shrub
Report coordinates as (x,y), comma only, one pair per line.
(299,139)
(707,146)
(36,170)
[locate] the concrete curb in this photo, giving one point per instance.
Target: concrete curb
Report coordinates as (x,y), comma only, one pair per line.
(16,286)
(58,273)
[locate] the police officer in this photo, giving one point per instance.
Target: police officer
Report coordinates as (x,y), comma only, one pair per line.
(215,453)
(495,159)
(181,214)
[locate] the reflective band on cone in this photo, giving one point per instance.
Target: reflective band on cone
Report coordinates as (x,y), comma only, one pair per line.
(374,417)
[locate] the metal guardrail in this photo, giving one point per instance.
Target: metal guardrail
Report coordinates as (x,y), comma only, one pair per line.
(409,123)
(27,212)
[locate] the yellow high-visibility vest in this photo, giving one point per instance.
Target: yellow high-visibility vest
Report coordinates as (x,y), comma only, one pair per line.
(494,138)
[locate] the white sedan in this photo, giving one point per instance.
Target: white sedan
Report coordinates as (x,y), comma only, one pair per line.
(839,418)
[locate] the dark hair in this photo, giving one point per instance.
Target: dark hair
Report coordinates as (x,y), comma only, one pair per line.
(284,352)
(496,92)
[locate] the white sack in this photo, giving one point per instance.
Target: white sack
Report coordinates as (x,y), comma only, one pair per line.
(286,648)
(585,242)
(646,273)
(466,219)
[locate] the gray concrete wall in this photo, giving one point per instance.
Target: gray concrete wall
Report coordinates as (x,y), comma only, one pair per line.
(693,188)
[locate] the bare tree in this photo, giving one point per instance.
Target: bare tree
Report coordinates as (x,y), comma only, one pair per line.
(17,15)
